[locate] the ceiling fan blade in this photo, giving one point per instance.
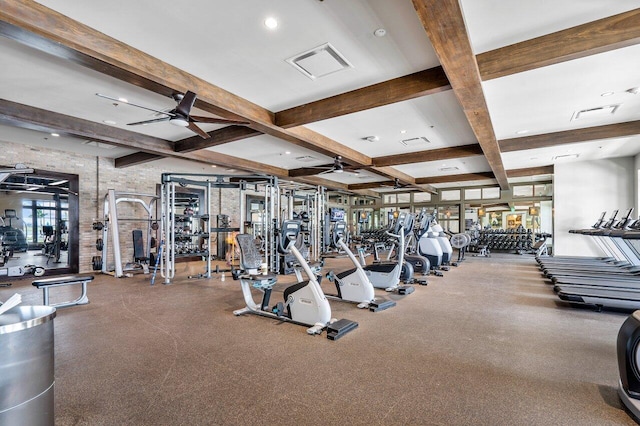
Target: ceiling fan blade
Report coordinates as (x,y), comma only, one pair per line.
(169,114)
(155,120)
(200,119)
(185,105)
(192,126)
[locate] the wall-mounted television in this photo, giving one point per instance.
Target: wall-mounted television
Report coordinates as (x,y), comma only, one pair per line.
(336,214)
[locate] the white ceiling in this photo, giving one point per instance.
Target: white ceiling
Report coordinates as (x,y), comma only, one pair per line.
(226,44)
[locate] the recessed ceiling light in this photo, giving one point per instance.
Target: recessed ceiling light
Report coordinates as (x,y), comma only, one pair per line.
(380,32)
(521,132)
(109,122)
(403,131)
(607,94)
(271,23)
(123,100)
(55,134)
(287,152)
(214,166)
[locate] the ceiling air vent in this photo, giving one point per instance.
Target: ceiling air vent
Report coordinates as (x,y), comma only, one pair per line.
(415,141)
(565,157)
(306,158)
(448,169)
(320,61)
(598,112)
(100,145)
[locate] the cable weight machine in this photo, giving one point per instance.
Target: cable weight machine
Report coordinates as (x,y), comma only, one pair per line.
(206,222)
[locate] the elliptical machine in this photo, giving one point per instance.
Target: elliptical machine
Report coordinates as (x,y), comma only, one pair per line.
(428,245)
(387,274)
(628,348)
(304,302)
(353,285)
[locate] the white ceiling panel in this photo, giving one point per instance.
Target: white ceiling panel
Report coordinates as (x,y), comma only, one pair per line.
(273,151)
(545,99)
(437,118)
(61,143)
(586,151)
(473,164)
(496,23)
(47,82)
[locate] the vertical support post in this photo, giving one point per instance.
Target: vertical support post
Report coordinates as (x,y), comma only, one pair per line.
(207,223)
(115,233)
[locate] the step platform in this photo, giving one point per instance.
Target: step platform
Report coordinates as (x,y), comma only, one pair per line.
(381,305)
(340,328)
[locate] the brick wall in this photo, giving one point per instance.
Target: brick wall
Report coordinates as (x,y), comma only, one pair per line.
(96,176)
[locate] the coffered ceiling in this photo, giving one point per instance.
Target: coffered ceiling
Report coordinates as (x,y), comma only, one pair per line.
(452,93)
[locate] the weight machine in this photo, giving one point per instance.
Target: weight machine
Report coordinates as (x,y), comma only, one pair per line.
(111,230)
(307,205)
(174,235)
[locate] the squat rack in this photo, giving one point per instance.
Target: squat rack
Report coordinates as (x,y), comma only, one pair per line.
(266,185)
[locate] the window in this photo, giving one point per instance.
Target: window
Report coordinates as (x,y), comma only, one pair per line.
(404,198)
(450,195)
(543,190)
(473,194)
(390,199)
(421,197)
(491,193)
(523,191)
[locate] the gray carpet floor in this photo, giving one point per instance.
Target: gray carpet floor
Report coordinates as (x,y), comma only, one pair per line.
(488,344)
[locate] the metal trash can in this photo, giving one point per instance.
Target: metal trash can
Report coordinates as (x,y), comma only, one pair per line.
(26,366)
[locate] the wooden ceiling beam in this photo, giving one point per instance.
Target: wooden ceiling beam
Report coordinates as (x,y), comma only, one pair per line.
(463,177)
(609,131)
(428,155)
(136,159)
(531,171)
(613,32)
(370,185)
(444,24)
(216,138)
(399,89)
(194,143)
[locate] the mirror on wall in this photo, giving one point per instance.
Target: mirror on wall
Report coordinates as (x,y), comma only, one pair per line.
(38,221)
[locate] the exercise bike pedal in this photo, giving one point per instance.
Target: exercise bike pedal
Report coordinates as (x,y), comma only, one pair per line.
(339,328)
(278,309)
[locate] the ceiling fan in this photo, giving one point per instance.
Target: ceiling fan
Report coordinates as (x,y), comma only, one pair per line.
(398,185)
(179,116)
(337,167)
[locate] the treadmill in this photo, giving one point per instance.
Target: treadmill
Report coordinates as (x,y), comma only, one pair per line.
(606,294)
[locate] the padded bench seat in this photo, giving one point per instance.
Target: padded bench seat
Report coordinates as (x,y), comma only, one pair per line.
(47,283)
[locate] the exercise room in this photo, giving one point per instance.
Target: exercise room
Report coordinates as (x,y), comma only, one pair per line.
(368,212)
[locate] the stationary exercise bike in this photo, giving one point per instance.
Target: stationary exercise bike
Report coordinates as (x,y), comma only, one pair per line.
(387,274)
(353,285)
(304,302)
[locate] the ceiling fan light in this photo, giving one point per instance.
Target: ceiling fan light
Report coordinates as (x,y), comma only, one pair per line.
(179,121)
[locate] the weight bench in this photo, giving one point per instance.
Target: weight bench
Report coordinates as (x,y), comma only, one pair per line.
(47,283)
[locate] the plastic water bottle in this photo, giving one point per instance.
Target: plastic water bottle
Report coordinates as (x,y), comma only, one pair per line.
(222,277)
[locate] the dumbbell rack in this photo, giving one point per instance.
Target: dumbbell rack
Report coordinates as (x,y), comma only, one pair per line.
(518,241)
